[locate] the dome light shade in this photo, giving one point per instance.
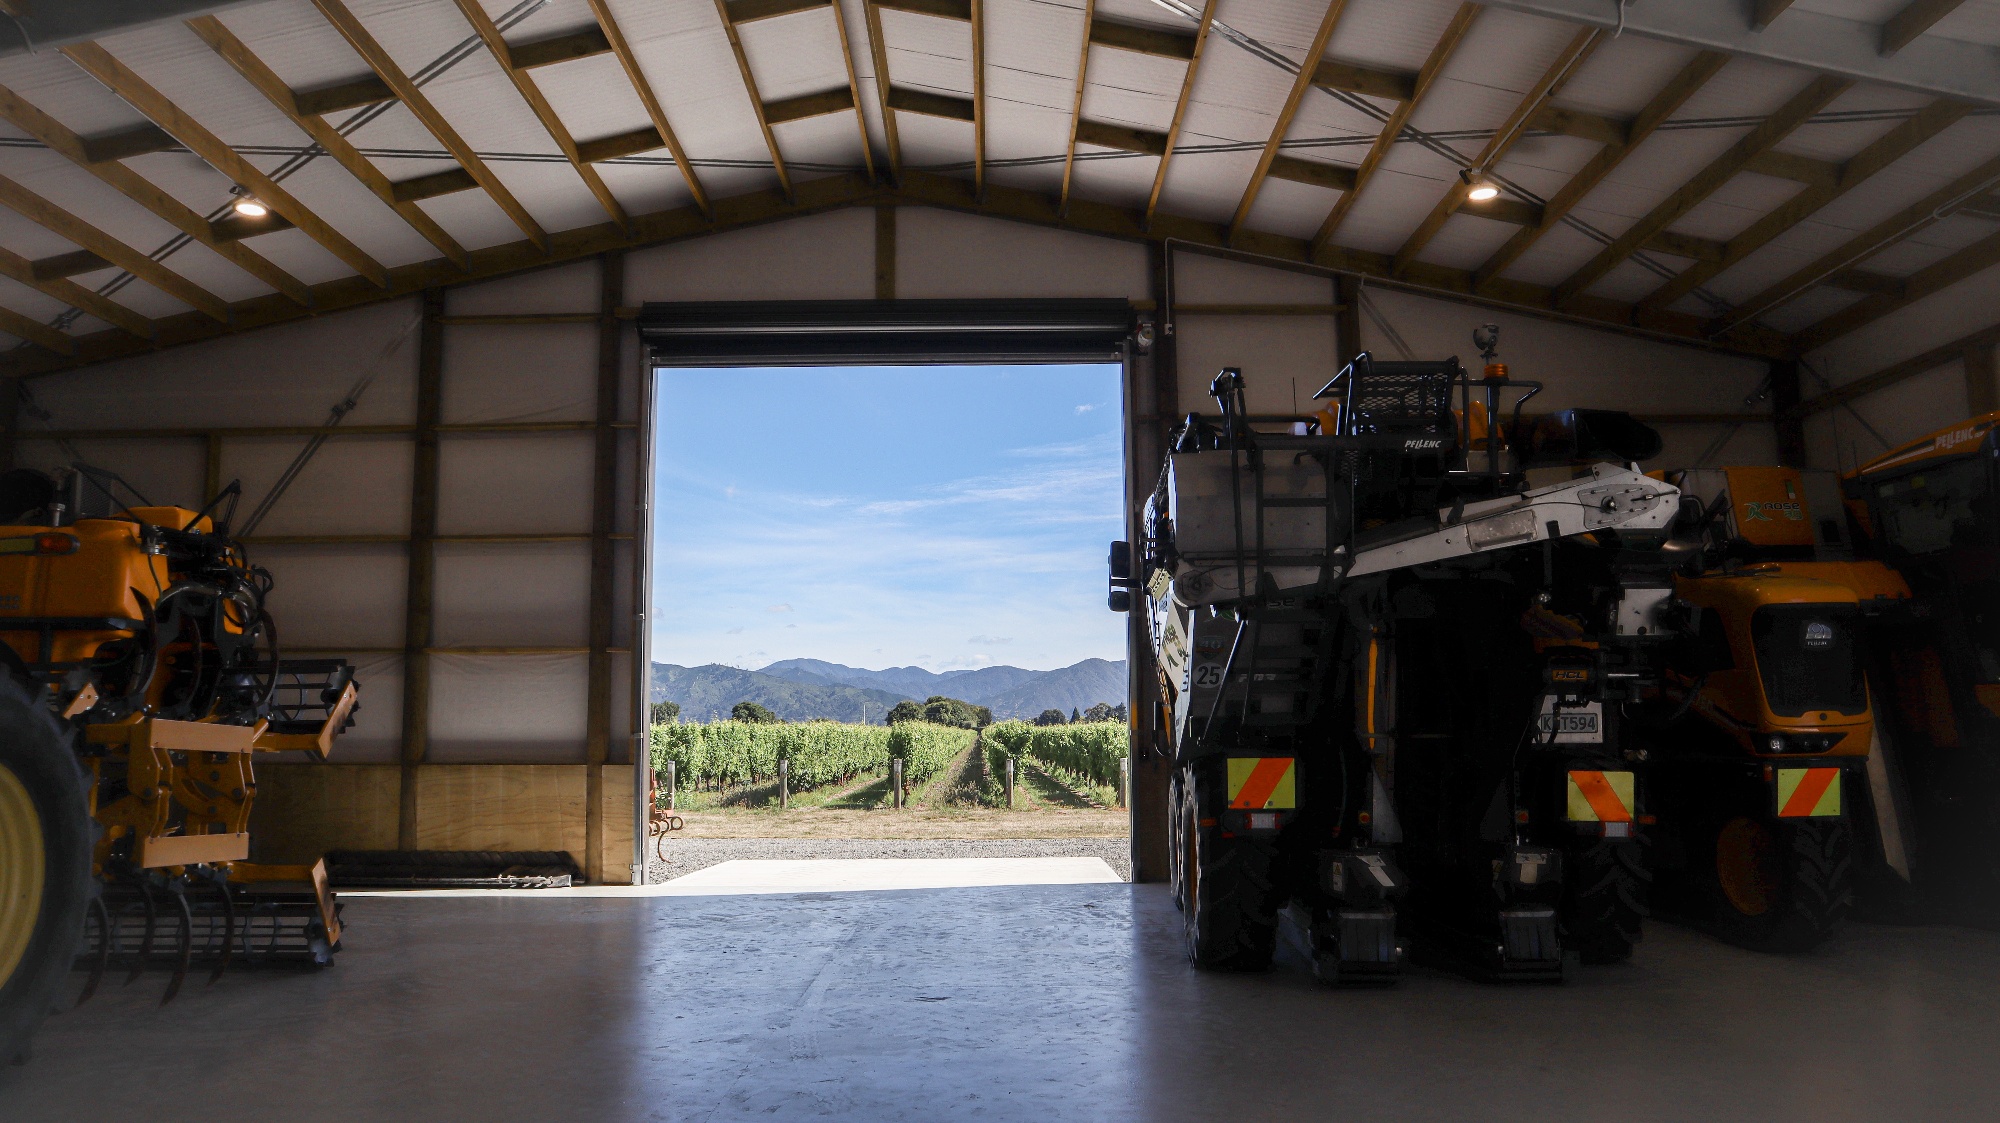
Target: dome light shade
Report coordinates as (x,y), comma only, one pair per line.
(249,207)
(1479,189)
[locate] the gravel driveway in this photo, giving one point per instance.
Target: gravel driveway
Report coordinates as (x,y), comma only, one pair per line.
(686,855)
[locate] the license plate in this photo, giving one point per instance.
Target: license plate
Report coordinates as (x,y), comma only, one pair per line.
(1572,725)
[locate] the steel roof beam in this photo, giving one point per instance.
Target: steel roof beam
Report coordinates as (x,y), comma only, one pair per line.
(1835,45)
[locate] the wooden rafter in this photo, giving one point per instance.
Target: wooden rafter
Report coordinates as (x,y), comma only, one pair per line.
(979,96)
(1574,54)
(1392,129)
(239,55)
(1180,106)
(1774,128)
(630,62)
(756,99)
(372,52)
(1887,149)
(1076,108)
(853,88)
(1691,78)
(1766,11)
(920,189)
(137,188)
(1957,349)
(1308,67)
(1975,258)
(1911,219)
(878,51)
(36,332)
(76,296)
(1915,19)
(53,218)
(140,95)
(531,92)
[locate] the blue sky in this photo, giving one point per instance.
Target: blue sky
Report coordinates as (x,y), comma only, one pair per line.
(946,517)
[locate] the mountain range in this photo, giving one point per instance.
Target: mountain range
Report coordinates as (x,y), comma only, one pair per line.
(800,689)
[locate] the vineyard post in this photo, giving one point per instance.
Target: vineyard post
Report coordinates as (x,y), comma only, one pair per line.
(784,783)
(670,785)
(1124,779)
(896,781)
(1009,772)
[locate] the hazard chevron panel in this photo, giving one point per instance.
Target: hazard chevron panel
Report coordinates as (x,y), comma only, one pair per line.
(1808,793)
(1600,797)
(1262,783)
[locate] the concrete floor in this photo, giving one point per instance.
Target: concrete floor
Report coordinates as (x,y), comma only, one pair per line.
(1030,1002)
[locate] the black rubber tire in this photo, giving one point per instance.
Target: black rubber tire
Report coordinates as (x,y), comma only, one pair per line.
(1231,912)
(1814,889)
(1604,904)
(1176,880)
(36,753)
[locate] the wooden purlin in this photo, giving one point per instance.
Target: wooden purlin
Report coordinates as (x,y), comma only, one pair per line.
(1315,54)
(419,631)
(1691,78)
(1973,259)
(1574,54)
(1076,108)
(37,333)
(878,52)
(1911,219)
(239,55)
(756,99)
(1884,151)
(978,8)
(525,85)
(837,192)
(62,223)
(1180,106)
(654,112)
(18,268)
(140,95)
(1913,20)
(853,87)
(1392,129)
(1799,109)
(378,59)
(1983,339)
(137,188)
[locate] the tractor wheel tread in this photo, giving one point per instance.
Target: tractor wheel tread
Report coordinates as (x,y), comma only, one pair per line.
(1605,900)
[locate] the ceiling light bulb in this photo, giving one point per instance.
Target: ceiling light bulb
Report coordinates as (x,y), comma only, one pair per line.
(249,207)
(1483,193)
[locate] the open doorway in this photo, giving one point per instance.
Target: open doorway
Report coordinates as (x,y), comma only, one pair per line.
(878,625)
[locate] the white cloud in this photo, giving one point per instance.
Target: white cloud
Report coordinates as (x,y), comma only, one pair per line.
(736,631)
(1086,408)
(779,608)
(990,639)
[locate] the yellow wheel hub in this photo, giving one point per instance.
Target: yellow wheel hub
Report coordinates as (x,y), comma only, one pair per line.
(23,868)
(1746,863)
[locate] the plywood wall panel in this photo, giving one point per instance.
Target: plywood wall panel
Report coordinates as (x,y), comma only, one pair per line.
(304,810)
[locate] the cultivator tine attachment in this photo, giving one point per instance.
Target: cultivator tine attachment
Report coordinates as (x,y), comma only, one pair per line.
(228,931)
(257,915)
(146,940)
(186,956)
(102,959)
